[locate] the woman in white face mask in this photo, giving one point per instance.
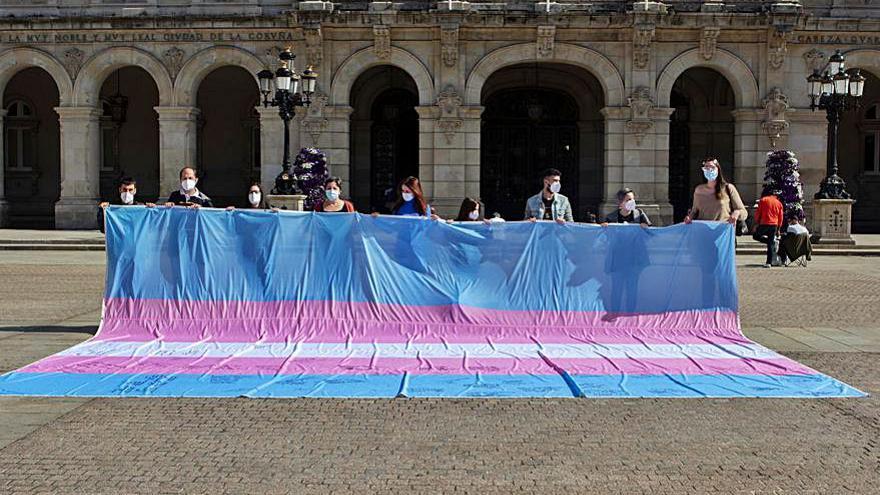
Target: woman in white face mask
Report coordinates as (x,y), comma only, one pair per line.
(716,200)
(256,200)
(411,201)
(469,211)
(332,198)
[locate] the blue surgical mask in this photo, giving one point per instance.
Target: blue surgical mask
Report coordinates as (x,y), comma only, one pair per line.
(710,173)
(331,194)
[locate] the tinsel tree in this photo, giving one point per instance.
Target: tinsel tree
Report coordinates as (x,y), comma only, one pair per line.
(783,179)
(310,168)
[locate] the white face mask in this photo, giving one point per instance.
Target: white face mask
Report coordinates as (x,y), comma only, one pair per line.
(474,215)
(710,173)
(127,197)
(188,184)
(407,196)
(555,187)
(254,197)
(331,194)
(630,205)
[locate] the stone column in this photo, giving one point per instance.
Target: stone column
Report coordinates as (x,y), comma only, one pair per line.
(178,138)
(438,197)
(331,130)
(449,154)
(471,129)
(656,198)
(615,146)
(808,137)
(80,164)
(271,146)
(4,206)
(750,149)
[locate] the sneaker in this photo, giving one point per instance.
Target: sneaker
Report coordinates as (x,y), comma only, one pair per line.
(765,265)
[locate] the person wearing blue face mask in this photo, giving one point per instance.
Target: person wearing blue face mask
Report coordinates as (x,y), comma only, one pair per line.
(716,200)
(332,199)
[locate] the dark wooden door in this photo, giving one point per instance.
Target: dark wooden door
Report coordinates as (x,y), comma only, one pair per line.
(394,140)
(524,132)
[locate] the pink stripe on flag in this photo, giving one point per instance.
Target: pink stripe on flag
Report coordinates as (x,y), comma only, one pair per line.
(292,321)
(425,366)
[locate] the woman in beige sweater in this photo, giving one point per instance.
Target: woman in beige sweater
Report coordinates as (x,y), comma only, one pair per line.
(716,200)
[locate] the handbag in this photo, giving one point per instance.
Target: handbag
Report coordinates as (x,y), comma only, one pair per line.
(741,227)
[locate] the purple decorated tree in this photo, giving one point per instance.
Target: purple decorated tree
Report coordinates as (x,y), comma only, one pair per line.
(310,168)
(783,179)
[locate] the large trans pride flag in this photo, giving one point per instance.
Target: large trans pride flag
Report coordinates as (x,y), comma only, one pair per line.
(212,303)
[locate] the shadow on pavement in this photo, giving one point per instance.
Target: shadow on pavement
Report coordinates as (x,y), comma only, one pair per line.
(90,329)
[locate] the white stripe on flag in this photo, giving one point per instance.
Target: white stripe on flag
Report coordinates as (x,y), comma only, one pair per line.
(419,350)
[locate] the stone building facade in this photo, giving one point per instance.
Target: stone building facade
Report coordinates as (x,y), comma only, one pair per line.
(473,97)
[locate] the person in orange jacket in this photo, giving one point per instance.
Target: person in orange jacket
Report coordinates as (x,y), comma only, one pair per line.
(768,224)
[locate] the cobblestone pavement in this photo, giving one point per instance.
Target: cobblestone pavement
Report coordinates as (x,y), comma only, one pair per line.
(472,446)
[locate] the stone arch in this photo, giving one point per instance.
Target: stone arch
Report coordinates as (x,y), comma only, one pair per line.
(186,86)
(864,58)
(733,68)
(16,59)
(358,62)
(93,73)
(594,62)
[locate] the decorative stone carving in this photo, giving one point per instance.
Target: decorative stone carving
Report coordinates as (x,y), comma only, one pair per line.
(382,42)
(173,58)
(545,39)
(449,127)
(449,102)
(815,60)
(73,61)
(312,118)
(777,46)
(643,37)
(315,127)
(449,44)
(640,104)
(775,124)
(314,40)
(776,103)
(270,56)
(709,41)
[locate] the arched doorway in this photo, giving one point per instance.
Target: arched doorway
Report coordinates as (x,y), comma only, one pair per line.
(539,116)
(702,125)
(384,135)
(228,146)
(859,157)
(129,133)
(31,149)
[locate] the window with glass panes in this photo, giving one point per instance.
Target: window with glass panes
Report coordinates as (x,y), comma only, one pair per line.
(21,136)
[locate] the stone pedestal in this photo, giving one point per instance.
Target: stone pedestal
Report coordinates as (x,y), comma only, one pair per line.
(290,202)
(832,219)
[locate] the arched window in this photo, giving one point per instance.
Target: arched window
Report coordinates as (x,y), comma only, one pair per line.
(22,126)
(871,139)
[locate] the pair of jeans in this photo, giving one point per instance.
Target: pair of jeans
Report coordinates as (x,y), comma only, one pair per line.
(766,234)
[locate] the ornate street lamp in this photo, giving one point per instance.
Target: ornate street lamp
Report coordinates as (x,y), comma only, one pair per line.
(287,97)
(835,91)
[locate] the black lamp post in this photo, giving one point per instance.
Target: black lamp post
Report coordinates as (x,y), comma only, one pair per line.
(287,98)
(835,91)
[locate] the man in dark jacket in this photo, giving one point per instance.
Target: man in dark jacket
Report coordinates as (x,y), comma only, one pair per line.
(188,195)
(626,210)
(127,193)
